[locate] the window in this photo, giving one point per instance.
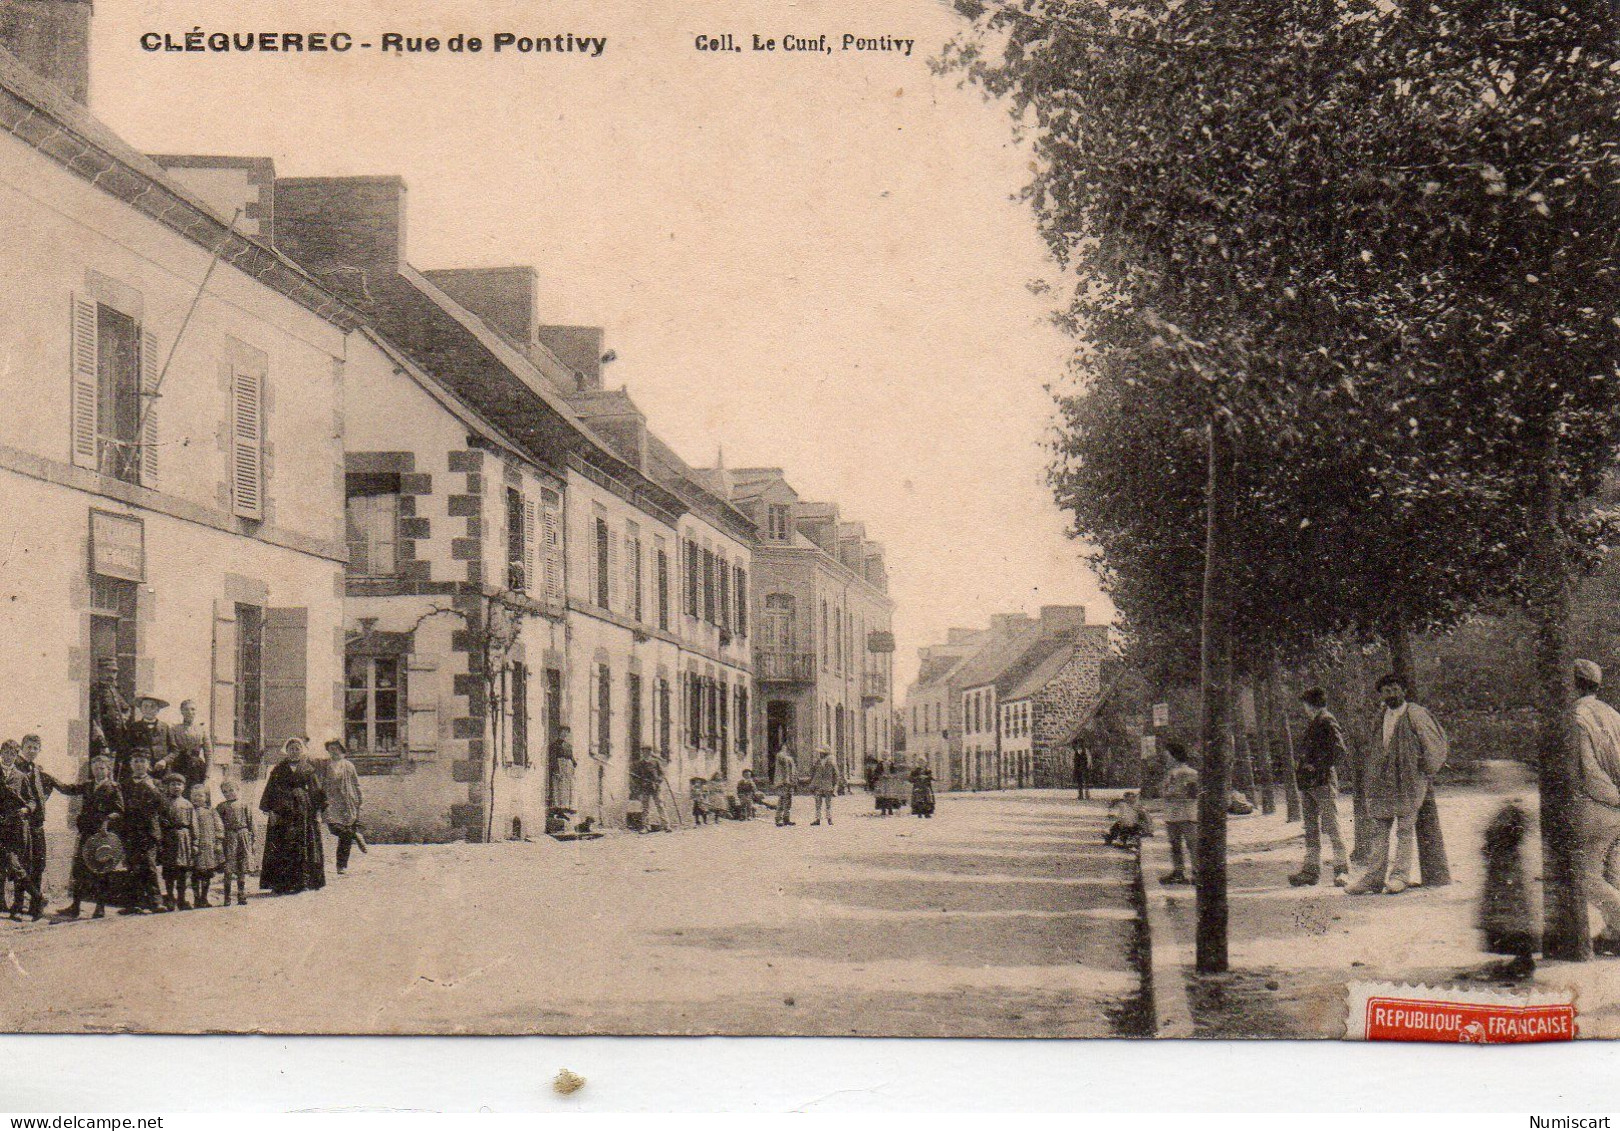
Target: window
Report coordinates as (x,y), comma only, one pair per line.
(741,587)
(663,718)
(517,578)
(779,622)
(633,547)
(520,714)
(118,394)
(372,514)
(663,586)
(838,640)
(779,521)
(722,577)
(551,505)
(722,711)
(824,650)
(742,718)
(632,695)
(602,562)
(374,710)
(694,711)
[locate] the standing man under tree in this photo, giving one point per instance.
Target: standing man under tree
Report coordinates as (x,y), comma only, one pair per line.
(1408,752)
(1320,748)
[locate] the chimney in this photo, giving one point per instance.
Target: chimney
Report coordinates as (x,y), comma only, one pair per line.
(343,229)
(1008,622)
(505,297)
(960,635)
(1059,619)
(579,348)
(52,39)
(240,186)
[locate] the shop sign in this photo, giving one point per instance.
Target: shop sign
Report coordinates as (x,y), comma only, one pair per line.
(117,546)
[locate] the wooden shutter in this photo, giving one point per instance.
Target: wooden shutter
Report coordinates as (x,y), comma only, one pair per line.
(222,704)
(531,580)
(85,388)
(151,370)
(421,707)
(615,598)
(247,444)
(286,674)
(742,601)
(553,552)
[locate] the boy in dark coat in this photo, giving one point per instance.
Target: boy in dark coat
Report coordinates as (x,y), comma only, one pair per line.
(101,803)
(143,835)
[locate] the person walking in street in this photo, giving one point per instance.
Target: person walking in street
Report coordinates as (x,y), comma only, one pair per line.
(342,786)
(647,786)
(1320,749)
(824,780)
(236,823)
(41,784)
(1082,770)
(784,778)
(922,790)
(293,799)
(1597,734)
(16,822)
(101,805)
(143,835)
(1180,792)
(1399,779)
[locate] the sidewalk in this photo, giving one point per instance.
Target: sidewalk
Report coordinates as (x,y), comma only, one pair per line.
(1294,951)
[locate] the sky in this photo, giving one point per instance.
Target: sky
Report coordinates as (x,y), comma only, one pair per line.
(809,260)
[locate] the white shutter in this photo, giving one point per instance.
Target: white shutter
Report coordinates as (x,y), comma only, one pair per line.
(85,348)
(421,706)
(247,444)
(531,583)
(150,373)
(554,560)
(222,706)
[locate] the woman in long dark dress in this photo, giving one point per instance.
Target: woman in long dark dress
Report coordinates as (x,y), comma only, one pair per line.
(293,798)
(922,790)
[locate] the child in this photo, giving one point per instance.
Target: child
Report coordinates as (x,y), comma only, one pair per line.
(236,825)
(700,809)
(747,796)
(178,820)
(210,847)
(100,806)
(1129,820)
(714,797)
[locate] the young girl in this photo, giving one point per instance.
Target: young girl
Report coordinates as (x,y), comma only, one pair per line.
(236,827)
(178,820)
(210,847)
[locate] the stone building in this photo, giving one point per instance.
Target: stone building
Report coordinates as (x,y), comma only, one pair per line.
(1041,709)
(935,704)
(823,639)
(171,454)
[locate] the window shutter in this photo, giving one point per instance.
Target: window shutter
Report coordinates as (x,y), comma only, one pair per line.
(85,349)
(742,601)
(421,707)
(615,599)
(554,561)
(531,582)
(286,671)
(222,705)
(151,370)
(247,444)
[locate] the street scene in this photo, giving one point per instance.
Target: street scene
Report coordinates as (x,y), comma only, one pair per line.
(1149,577)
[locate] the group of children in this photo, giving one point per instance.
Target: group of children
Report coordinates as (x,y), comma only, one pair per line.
(710,801)
(200,841)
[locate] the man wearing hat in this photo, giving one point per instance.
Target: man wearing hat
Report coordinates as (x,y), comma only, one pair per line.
(109,711)
(148,734)
(143,834)
(824,778)
(1400,777)
(97,852)
(343,802)
(647,787)
(1597,733)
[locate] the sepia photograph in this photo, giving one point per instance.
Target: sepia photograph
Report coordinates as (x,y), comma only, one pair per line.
(976,519)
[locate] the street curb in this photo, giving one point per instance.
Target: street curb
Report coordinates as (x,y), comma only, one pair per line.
(1168,954)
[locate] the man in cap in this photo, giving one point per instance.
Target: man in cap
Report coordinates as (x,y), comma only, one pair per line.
(784,777)
(824,779)
(143,834)
(1321,747)
(647,787)
(1597,733)
(109,712)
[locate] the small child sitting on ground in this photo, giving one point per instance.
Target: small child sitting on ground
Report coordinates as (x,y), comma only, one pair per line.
(1131,822)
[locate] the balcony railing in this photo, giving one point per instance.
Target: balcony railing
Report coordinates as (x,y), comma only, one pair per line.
(781,665)
(874,686)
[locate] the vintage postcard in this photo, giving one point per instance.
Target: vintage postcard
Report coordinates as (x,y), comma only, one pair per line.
(1004,518)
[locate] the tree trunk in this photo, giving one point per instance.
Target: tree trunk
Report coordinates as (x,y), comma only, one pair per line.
(1215,677)
(1431,841)
(1564,898)
(1265,754)
(1279,710)
(1364,827)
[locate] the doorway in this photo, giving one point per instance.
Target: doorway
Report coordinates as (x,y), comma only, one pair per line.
(778,732)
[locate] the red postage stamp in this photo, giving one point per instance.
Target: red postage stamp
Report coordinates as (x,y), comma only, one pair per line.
(1382,1011)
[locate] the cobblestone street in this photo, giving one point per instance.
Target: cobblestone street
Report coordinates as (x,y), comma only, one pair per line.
(1003,916)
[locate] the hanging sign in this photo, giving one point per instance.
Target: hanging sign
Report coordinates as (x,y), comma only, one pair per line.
(1161,714)
(117,546)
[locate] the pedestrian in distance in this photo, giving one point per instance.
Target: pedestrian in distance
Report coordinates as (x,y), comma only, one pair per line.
(1082,771)
(647,785)
(343,800)
(1180,792)
(293,800)
(101,804)
(1399,779)
(179,823)
(142,830)
(922,790)
(41,784)
(747,796)
(784,779)
(1597,734)
(824,781)
(236,825)
(1321,746)
(209,850)
(16,822)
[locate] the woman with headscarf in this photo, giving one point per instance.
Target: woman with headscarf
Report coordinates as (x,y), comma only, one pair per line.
(293,799)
